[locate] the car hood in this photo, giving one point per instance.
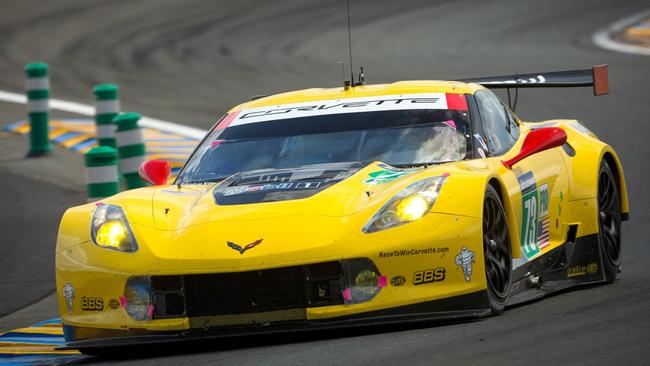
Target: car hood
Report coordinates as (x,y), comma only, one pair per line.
(333,190)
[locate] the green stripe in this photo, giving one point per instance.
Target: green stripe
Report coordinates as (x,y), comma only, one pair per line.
(126,125)
(38,94)
(39,133)
(101,156)
(130,151)
(103,189)
(38,115)
(105,119)
(109,142)
(106,91)
(133,180)
(127,121)
(36,69)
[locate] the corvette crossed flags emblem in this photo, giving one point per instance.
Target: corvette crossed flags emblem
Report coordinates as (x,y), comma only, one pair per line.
(242,250)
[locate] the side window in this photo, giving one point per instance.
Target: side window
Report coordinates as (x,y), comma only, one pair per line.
(498,126)
(514,126)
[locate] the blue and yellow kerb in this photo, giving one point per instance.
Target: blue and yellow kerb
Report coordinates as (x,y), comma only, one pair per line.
(79,135)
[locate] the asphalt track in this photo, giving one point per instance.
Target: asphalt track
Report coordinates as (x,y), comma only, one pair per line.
(189,61)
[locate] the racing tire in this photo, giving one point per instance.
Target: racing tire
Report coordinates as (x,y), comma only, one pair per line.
(609,222)
(496,251)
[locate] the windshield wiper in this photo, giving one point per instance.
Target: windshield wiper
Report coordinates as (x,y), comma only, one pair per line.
(420,165)
(412,165)
(204,181)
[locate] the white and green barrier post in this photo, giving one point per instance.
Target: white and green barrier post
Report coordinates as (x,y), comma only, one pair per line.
(130,148)
(37,85)
(101,168)
(107,107)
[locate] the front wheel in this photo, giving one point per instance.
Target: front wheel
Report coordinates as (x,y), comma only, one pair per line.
(496,251)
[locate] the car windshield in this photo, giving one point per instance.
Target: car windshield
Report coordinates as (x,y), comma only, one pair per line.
(396,137)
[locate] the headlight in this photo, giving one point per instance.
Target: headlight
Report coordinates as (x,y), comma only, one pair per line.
(408,205)
(138,298)
(362,280)
(110,229)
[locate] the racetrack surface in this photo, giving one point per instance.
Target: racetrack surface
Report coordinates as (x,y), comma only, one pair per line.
(189,61)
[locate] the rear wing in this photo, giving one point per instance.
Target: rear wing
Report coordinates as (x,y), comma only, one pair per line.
(596,77)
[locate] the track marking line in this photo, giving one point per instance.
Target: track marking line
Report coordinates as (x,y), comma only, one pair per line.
(603,39)
(89,110)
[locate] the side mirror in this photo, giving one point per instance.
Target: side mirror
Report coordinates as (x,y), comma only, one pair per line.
(537,141)
(155,172)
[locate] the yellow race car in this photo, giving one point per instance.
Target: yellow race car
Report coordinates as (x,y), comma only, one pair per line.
(348,206)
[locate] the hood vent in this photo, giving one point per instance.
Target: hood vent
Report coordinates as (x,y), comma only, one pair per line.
(272,185)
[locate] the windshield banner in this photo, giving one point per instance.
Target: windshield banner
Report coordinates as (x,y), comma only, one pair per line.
(338,106)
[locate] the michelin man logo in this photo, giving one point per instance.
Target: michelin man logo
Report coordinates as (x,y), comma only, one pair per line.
(68,295)
(465,259)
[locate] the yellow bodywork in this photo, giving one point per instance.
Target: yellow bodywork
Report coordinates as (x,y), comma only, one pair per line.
(180,230)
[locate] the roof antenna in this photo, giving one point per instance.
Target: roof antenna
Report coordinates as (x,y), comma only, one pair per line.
(346,83)
(362,77)
(350,45)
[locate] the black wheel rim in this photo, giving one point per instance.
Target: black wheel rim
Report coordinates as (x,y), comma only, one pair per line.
(609,216)
(496,245)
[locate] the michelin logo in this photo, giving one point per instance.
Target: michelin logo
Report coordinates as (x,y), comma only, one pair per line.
(465,259)
(68,295)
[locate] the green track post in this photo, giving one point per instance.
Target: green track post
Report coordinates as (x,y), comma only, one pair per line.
(130,148)
(101,172)
(107,107)
(37,85)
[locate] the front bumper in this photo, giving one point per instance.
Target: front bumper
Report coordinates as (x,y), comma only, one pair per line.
(462,307)
(399,254)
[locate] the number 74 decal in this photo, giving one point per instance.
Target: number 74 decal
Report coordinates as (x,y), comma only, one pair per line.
(534,219)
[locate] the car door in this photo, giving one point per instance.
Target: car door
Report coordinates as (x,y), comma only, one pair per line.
(537,184)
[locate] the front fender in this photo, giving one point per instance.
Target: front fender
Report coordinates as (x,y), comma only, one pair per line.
(463,191)
(74,228)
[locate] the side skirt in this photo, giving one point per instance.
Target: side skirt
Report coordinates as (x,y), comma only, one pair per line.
(573,263)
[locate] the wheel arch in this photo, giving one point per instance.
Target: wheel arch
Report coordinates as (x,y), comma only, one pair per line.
(609,156)
(500,188)
(583,167)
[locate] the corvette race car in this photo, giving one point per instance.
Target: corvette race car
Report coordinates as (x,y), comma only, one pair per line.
(350,206)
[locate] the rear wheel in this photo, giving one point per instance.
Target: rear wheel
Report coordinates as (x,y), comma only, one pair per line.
(496,251)
(609,222)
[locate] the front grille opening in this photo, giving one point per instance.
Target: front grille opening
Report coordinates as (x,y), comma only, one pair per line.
(245,292)
(252,297)
(325,284)
(174,304)
(169,296)
(167,283)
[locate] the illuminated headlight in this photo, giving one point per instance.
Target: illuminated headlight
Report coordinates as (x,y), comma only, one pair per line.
(362,280)
(408,205)
(139,298)
(109,229)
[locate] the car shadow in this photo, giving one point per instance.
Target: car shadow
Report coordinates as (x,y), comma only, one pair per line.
(198,346)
